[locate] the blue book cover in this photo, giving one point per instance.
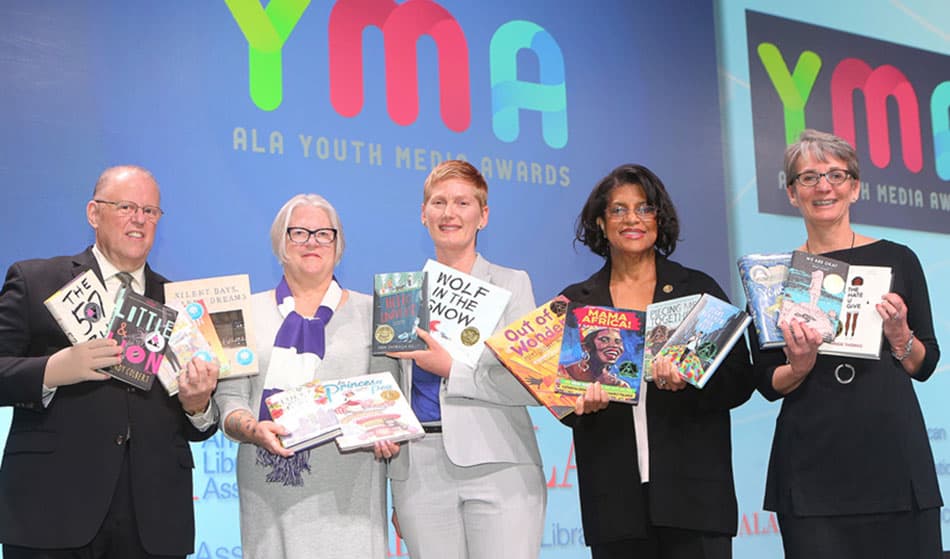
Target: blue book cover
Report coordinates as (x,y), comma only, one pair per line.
(763,278)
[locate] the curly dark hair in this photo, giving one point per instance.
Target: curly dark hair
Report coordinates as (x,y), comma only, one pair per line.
(589,233)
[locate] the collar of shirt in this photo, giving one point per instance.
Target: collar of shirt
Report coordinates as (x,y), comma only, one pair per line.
(109,272)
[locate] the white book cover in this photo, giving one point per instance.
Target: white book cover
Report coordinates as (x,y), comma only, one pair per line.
(861,327)
(371,408)
(306,412)
(226,301)
(185,343)
(463,311)
(82,308)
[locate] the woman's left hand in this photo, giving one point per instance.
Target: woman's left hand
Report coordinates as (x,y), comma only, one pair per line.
(894,312)
(435,359)
(384,450)
(665,375)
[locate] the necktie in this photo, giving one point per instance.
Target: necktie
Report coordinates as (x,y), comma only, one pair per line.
(125,279)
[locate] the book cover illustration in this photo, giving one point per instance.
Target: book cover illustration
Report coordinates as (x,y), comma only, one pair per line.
(861,328)
(530,349)
(814,292)
(371,408)
(142,327)
(763,278)
(662,319)
(82,308)
(226,302)
(605,345)
(463,310)
(185,343)
(306,413)
(704,338)
(400,304)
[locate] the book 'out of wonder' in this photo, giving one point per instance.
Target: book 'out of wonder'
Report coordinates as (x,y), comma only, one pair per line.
(530,349)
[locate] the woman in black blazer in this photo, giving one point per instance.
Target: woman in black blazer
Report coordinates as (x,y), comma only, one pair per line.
(677,440)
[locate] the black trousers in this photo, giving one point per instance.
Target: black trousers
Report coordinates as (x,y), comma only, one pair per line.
(117,538)
(667,543)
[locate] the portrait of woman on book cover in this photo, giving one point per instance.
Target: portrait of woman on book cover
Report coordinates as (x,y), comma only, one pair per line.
(851,473)
(602,349)
(318,500)
(629,220)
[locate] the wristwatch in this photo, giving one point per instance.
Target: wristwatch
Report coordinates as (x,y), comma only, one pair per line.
(907,347)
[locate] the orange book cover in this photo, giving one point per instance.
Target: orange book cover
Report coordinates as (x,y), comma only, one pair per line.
(530,348)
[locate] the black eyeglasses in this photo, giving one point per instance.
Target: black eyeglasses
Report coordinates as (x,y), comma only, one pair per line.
(834,177)
(646,212)
(301,235)
(125,208)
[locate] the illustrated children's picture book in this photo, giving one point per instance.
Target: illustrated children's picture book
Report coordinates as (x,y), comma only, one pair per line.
(142,327)
(861,327)
(82,308)
(605,345)
(463,310)
(400,305)
(186,343)
(530,349)
(662,319)
(814,292)
(226,301)
(371,408)
(306,413)
(763,277)
(704,338)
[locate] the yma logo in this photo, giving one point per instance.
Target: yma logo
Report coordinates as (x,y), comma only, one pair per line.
(889,101)
(268,29)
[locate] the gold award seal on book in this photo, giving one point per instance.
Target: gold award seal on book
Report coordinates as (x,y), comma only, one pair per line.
(384,333)
(470,336)
(389,395)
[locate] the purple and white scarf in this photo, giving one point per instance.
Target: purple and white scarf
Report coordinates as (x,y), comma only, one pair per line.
(298,352)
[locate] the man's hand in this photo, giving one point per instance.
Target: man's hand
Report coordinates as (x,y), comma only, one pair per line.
(196,382)
(78,363)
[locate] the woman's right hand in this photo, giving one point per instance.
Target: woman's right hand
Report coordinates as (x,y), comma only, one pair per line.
(801,350)
(593,400)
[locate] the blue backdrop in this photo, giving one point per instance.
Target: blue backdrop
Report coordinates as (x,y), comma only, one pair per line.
(167,85)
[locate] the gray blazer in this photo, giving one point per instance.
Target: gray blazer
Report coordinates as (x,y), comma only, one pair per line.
(484,419)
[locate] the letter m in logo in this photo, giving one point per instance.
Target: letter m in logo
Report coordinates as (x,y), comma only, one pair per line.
(402,25)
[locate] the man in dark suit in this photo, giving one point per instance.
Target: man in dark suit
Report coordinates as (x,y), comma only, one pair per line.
(93,467)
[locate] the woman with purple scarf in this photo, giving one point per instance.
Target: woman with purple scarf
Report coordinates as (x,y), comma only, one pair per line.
(316,502)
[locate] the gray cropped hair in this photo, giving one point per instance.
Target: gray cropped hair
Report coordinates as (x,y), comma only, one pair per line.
(820,146)
(278,230)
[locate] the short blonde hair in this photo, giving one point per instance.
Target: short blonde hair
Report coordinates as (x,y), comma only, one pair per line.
(457,169)
(278,229)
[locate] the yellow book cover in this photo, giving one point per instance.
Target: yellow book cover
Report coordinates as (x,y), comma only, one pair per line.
(530,348)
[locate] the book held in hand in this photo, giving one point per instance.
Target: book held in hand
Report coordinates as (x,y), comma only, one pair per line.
(82,308)
(306,413)
(371,408)
(400,305)
(530,349)
(463,311)
(704,338)
(861,326)
(142,327)
(814,292)
(186,343)
(662,319)
(605,345)
(225,301)
(763,278)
